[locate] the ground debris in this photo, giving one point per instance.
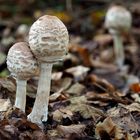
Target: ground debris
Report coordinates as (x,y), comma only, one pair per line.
(16,126)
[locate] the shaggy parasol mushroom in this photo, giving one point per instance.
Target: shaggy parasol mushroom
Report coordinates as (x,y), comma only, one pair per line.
(118,20)
(22,65)
(48,39)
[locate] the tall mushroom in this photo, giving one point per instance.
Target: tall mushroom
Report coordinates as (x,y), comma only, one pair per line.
(22,65)
(48,39)
(118,20)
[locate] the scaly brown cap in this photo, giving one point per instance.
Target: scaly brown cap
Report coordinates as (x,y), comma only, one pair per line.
(21,62)
(48,39)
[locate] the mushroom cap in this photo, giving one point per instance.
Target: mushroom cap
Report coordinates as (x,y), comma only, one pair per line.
(48,39)
(118,18)
(21,62)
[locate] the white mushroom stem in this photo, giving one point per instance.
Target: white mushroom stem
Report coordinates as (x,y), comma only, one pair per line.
(118,49)
(40,108)
(20,101)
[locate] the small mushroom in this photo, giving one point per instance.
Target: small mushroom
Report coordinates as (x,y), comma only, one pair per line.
(22,65)
(118,20)
(48,39)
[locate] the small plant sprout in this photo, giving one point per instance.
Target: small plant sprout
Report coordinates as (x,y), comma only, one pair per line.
(48,39)
(22,65)
(118,20)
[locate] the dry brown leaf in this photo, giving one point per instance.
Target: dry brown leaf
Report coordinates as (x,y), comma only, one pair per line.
(61,84)
(57,75)
(110,129)
(129,137)
(78,100)
(83,53)
(26,135)
(66,82)
(100,64)
(79,72)
(5,104)
(103,39)
(58,115)
(55,96)
(79,104)
(127,117)
(72,58)
(87,111)
(85,56)
(66,130)
(39,135)
(53,133)
(76,89)
(135,87)
(133,107)
(136,97)
(8,132)
(101,82)
(102,99)
(74,39)
(8,84)
(107,56)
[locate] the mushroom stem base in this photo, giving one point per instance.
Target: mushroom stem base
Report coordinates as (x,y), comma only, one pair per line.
(40,108)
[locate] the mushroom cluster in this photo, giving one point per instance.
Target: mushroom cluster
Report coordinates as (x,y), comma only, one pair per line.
(118,20)
(48,41)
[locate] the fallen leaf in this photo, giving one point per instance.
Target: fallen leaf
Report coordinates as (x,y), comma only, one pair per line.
(59,114)
(127,117)
(79,72)
(103,65)
(109,130)
(136,97)
(107,56)
(79,104)
(66,82)
(8,84)
(53,97)
(39,135)
(8,132)
(5,104)
(66,130)
(63,83)
(101,83)
(103,39)
(78,100)
(53,133)
(135,87)
(76,89)
(87,111)
(26,135)
(57,75)
(85,56)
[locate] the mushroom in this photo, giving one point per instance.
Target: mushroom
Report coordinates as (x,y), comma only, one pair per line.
(48,39)
(118,20)
(22,65)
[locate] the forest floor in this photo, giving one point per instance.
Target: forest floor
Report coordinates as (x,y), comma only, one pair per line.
(91,98)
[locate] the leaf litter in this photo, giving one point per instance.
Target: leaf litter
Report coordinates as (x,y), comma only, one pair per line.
(90,97)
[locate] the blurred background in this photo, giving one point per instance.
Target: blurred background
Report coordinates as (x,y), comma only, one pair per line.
(85,22)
